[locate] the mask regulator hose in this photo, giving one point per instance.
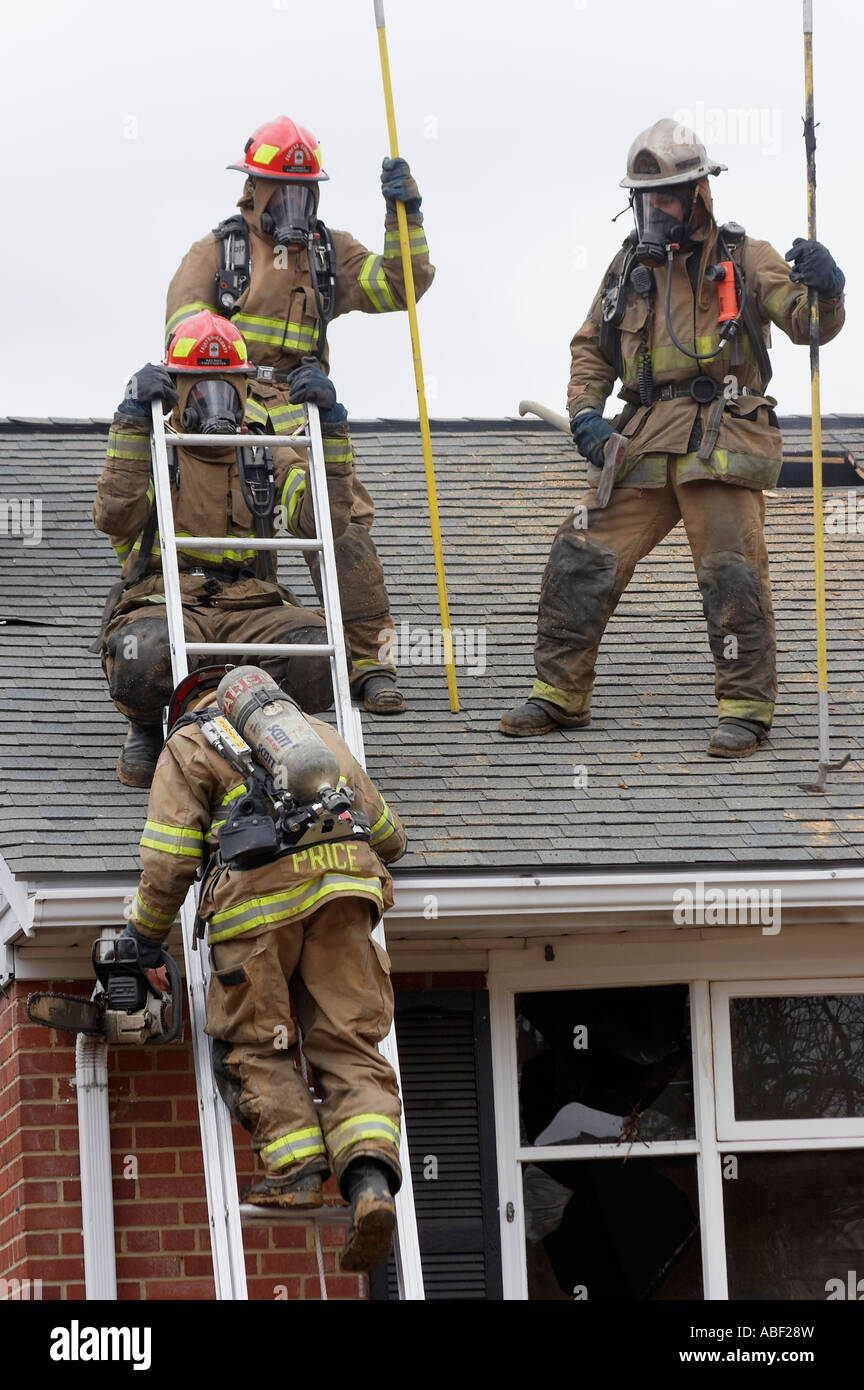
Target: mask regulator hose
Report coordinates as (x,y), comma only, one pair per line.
(727,329)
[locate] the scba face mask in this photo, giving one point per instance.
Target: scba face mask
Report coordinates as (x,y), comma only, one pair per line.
(213,407)
(659,224)
(290,214)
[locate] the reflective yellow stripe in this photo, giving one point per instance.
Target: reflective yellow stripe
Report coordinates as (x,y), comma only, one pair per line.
(172,839)
(255,412)
(276,332)
(293,493)
(217,556)
(151,916)
(416,241)
(760,710)
(572,702)
(780,302)
(668,358)
(258,912)
(358,1128)
(128,446)
(223,804)
(337,449)
(383,826)
(300,1143)
(373,282)
(184,312)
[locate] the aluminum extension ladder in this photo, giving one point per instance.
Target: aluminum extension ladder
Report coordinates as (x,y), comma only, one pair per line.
(223,1205)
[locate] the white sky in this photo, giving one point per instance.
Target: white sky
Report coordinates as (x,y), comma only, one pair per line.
(516,118)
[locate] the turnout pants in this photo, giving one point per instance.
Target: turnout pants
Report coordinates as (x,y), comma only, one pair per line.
(591,565)
(136,655)
(339,979)
(363,595)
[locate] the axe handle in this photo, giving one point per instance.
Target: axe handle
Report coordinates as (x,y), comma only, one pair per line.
(551,417)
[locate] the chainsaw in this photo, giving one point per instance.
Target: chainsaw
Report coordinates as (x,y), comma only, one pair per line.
(129,1005)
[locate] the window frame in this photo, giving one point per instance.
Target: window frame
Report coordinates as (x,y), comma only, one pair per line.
(709,1148)
(730,1130)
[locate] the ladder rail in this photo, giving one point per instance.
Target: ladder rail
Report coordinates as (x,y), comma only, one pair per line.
(220,1175)
(216,1137)
(409,1271)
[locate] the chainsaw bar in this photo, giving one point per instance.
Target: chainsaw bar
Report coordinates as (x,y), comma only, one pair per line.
(69,1012)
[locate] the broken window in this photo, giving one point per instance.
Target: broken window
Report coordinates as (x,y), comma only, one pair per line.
(601,1065)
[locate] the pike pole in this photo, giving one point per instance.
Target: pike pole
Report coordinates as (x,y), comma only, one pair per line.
(825,764)
(411,306)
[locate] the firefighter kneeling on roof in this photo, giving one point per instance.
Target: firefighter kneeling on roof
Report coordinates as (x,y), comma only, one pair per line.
(297,838)
(682,318)
(230,595)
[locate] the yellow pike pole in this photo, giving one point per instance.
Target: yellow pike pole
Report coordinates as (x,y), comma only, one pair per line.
(411,305)
(825,764)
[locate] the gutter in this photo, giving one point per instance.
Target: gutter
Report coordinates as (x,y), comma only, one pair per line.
(489,901)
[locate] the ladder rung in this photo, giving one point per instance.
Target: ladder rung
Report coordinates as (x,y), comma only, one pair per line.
(243,441)
(247,543)
(264,648)
(251,1215)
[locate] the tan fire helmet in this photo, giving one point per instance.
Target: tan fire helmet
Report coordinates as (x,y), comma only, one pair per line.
(667,153)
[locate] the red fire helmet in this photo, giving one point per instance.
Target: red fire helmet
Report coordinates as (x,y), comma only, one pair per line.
(206,343)
(280,149)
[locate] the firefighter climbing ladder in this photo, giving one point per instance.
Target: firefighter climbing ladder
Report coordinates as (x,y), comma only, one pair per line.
(216,1140)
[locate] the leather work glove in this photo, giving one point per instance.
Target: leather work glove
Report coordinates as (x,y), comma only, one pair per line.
(149,952)
(150,383)
(308,383)
(590,432)
(397,183)
(815,267)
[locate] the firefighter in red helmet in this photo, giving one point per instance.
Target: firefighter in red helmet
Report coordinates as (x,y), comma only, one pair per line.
(232,594)
(281,276)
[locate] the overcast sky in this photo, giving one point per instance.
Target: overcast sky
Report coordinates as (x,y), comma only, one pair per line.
(118,120)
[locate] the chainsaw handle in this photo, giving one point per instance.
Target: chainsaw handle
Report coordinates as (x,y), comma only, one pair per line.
(175,990)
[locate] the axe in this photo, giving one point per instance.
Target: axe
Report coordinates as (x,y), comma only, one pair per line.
(613,451)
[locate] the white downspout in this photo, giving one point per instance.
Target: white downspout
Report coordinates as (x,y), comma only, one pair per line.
(97,1197)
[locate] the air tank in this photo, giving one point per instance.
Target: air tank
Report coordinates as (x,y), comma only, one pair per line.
(280,738)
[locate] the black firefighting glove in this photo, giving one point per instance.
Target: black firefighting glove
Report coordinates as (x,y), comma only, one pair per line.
(150,383)
(149,952)
(398,183)
(308,383)
(590,432)
(816,268)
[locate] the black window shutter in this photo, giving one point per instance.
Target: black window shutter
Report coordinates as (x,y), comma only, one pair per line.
(445,1056)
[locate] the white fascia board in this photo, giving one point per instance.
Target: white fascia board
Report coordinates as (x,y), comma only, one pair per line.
(16,905)
(595,896)
(508,898)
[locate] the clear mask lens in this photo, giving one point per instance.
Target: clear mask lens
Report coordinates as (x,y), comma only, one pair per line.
(213,407)
(289,214)
(661,220)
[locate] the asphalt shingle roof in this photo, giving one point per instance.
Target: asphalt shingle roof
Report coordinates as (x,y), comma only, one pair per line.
(470,797)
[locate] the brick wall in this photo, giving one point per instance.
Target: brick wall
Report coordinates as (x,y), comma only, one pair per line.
(160,1210)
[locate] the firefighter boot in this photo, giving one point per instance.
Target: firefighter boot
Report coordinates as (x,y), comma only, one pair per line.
(539,717)
(139,754)
(373,1216)
(299,1192)
(381,695)
(736,738)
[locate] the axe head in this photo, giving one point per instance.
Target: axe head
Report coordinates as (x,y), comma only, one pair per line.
(613,456)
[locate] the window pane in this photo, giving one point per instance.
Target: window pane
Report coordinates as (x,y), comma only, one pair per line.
(798,1057)
(605,1065)
(794,1221)
(611,1230)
